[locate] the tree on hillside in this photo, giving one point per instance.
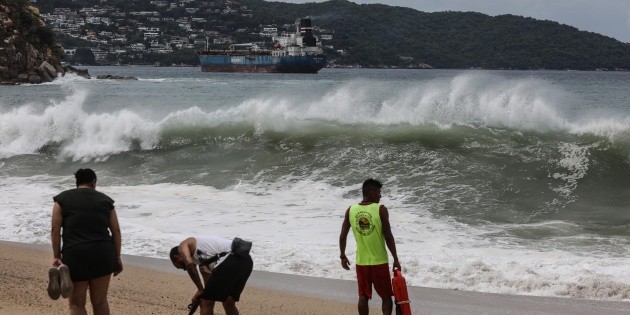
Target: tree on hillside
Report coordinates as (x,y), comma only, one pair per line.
(84,56)
(377,35)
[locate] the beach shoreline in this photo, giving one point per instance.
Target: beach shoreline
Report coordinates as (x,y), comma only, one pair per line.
(153,286)
(146,286)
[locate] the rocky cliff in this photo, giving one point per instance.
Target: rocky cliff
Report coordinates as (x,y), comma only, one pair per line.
(28,49)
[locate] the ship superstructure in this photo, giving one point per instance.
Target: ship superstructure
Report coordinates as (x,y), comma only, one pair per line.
(298,52)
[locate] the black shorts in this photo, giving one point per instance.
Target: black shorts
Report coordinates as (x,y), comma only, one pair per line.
(90,261)
(228,279)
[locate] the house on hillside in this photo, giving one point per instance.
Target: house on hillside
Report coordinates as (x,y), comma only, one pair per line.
(99,55)
(269,31)
(148,35)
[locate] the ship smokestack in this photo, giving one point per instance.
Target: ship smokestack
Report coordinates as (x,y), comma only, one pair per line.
(306,30)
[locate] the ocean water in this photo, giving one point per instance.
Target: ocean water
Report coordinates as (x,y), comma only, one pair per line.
(497,181)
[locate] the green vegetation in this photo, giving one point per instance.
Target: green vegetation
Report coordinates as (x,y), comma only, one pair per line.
(41,37)
(376,35)
(84,56)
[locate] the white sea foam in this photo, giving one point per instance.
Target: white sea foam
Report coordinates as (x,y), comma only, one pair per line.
(467,99)
(575,162)
(295,228)
(25,130)
(68,78)
(105,134)
(613,128)
(473,100)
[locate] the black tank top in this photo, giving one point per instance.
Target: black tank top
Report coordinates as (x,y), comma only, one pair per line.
(85,214)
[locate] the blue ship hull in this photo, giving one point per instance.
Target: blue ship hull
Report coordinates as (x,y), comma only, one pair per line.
(225,62)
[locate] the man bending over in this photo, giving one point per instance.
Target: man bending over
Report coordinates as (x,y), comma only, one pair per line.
(225,266)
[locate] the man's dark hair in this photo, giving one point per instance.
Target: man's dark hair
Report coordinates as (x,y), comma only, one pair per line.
(369,184)
(84,176)
(174,252)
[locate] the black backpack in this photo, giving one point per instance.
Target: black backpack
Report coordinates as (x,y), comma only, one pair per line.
(241,247)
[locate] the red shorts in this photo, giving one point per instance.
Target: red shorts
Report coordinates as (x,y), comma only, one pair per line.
(377,275)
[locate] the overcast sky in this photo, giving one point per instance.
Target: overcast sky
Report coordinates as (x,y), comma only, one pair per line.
(606,17)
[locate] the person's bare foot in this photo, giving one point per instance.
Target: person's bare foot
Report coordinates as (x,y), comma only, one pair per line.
(53,283)
(65,281)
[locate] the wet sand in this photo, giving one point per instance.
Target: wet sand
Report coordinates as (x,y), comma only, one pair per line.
(153,286)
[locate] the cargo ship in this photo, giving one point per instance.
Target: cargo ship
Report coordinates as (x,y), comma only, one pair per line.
(298,52)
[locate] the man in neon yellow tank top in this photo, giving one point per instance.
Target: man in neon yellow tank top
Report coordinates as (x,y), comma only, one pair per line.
(369,222)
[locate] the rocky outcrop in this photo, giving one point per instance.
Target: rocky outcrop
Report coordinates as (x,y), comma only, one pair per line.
(80,72)
(114,77)
(29,52)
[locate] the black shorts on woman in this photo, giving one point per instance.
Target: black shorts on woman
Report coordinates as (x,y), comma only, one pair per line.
(89,261)
(228,278)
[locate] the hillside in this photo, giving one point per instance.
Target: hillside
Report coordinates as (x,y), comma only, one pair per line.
(374,35)
(379,35)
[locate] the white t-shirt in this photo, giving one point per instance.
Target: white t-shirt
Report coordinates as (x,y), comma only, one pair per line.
(210,246)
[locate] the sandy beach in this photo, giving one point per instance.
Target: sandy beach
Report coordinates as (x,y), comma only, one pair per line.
(138,290)
(152,286)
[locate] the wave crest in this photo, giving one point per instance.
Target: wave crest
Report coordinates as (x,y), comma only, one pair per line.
(80,135)
(471,100)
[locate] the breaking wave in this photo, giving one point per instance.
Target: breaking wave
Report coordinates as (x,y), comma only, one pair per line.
(444,107)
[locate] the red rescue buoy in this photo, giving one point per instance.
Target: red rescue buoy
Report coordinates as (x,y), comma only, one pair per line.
(400,293)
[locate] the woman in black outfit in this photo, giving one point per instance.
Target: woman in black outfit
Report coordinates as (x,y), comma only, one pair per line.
(91,241)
